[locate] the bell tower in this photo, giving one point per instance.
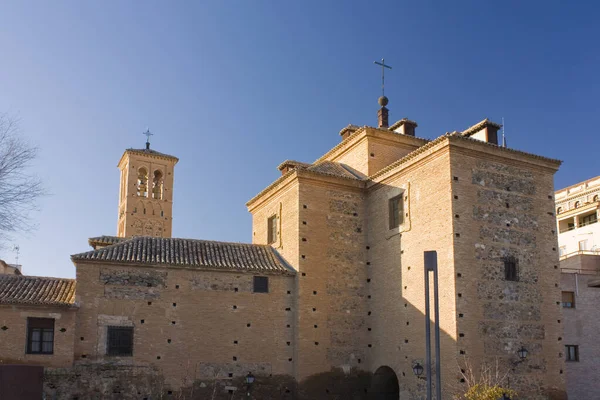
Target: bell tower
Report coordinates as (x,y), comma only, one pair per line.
(146,193)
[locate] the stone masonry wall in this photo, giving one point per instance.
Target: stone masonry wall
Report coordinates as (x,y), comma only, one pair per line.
(504,209)
(13,335)
(188,324)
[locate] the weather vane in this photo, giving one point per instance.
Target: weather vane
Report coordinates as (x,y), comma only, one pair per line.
(383,67)
(148,134)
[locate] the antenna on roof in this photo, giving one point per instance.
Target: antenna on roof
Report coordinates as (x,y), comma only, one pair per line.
(503,137)
(16,249)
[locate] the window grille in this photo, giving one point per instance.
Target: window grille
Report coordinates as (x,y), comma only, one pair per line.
(120,341)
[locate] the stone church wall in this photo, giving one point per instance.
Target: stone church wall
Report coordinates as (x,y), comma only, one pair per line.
(188,324)
(505,208)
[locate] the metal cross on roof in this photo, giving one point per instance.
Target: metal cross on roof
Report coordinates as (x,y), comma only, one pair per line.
(383,67)
(148,134)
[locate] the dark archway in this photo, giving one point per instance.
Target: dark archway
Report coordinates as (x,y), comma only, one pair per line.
(385,385)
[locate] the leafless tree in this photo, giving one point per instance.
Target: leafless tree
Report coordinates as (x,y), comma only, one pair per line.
(19,189)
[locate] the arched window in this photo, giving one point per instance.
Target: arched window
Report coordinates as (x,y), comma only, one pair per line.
(559,210)
(577,204)
(595,198)
(157,185)
(142,183)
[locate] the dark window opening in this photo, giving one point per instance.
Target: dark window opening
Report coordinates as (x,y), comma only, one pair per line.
(272,229)
(396,211)
(510,269)
(261,284)
(40,335)
(572,352)
(568,299)
(120,341)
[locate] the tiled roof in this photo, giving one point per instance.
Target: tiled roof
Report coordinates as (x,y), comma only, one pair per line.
(293,163)
(104,240)
(189,253)
(35,290)
(152,152)
(332,168)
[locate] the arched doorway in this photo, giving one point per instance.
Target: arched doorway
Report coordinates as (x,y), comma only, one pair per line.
(385,384)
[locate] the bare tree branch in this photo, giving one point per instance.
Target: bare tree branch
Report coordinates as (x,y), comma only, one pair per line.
(19,189)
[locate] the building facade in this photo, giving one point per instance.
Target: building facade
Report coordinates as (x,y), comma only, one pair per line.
(577,209)
(334,277)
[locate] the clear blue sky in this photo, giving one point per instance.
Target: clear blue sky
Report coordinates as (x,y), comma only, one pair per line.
(235,87)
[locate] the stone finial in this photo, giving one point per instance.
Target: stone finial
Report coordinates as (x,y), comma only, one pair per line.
(383,113)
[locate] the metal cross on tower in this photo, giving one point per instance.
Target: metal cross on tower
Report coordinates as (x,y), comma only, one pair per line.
(148,134)
(383,67)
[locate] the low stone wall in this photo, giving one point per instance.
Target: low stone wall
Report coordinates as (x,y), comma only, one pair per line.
(111,382)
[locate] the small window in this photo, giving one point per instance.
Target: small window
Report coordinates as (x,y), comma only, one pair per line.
(120,341)
(568,299)
(261,284)
(272,229)
(583,245)
(572,352)
(595,198)
(396,211)
(558,210)
(510,269)
(562,250)
(577,204)
(40,335)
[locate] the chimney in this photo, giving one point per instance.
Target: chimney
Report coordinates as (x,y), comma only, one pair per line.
(347,131)
(382,114)
(405,127)
(486,131)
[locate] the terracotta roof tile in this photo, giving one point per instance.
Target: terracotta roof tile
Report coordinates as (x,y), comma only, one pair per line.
(104,240)
(35,290)
(332,168)
(189,253)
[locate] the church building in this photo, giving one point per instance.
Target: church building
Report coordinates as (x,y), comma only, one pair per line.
(332,283)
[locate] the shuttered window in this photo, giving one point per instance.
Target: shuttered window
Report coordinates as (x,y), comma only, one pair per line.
(568,299)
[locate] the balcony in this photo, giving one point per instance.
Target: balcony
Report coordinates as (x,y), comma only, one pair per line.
(581,262)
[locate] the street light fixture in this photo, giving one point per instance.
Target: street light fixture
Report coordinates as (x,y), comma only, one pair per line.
(249,381)
(418,370)
(522,352)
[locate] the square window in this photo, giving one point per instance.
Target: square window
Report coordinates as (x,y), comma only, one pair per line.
(572,352)
(510,269)
(40,335)
(261,284)
(120,341)
(396,211)
(272,229)
(568,299)
(583,245)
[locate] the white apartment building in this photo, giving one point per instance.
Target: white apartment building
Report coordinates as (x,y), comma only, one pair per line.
(577,209)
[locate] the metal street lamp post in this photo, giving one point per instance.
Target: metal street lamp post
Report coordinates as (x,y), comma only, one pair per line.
(249,381)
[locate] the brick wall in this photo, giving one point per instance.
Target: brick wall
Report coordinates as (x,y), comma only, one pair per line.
(13,339)
(396,323)
(188,324)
